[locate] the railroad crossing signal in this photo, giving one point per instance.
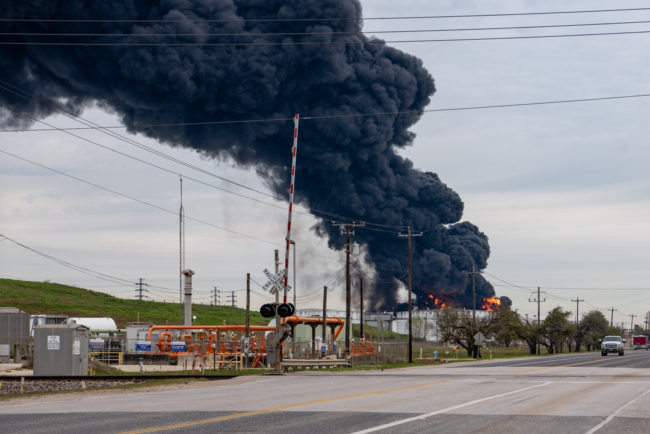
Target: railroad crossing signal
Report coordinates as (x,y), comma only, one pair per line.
(283,310)
(275,281)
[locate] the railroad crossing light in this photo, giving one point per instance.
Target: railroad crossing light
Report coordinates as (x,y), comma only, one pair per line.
(267,310)
(284,310)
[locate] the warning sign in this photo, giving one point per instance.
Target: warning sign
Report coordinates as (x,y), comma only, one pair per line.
(54,342)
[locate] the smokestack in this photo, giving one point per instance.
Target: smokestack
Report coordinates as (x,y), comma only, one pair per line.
(281,57)
(187,274)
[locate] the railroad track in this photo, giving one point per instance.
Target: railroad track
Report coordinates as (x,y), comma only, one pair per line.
(15,385)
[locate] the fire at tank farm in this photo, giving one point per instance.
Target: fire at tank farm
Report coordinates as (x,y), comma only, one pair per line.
(242,102)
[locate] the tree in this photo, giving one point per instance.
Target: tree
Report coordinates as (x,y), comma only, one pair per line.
(457,327)
(571,333)
(591,329)
(529,333)
(555,330)
(505,325)
(614,331)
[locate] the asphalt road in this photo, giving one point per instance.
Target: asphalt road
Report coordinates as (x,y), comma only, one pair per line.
(577,393)
(631,359)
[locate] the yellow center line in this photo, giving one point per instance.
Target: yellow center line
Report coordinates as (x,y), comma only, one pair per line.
(284,407)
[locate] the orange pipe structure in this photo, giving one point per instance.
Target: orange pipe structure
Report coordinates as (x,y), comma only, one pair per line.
(311,320)
(210,327)
(332,322)
(207,341)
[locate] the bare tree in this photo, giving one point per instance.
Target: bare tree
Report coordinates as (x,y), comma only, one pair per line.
(457,327)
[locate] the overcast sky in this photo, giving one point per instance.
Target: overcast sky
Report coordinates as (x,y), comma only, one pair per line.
(562,191)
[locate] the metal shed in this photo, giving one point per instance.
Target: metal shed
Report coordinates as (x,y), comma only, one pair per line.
(61,349)
(14,326)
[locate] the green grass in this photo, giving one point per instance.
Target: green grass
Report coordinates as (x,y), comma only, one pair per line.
(57,299)
(373,334)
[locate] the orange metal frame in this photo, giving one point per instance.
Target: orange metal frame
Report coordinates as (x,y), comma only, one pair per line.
(208,341)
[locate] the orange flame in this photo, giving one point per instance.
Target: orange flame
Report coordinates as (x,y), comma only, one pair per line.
(491,303)
(436,302)
(439,303)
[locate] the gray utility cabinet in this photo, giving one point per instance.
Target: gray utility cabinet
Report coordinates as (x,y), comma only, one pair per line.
(60,349)
(14,326)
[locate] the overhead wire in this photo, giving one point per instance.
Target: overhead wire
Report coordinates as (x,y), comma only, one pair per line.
(310,211)
(313,43)
(343,116)
(174,212)
(258,34)
(332,19)
(79,268)
(576,101)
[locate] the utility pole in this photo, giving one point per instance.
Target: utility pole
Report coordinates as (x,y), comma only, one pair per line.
(349,231)
(577,300)
(181,251)
(473,273)
(277,365)
(248,306)
(216,295)
(538,300)
(324,337)
(631,327)
(139,290)
(409,236)
(247,331)
(611,321)
(361,307)
(232,298)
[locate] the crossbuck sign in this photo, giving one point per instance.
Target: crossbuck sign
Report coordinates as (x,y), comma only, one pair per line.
(275,281)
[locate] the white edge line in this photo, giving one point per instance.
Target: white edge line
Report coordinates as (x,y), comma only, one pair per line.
(613,415)
(445,410)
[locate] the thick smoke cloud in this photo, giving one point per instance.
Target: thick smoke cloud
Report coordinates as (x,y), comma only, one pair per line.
(348,166)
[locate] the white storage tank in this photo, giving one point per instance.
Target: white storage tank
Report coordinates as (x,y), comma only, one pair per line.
(95,324)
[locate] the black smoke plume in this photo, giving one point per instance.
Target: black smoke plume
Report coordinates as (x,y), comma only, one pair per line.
(321,65)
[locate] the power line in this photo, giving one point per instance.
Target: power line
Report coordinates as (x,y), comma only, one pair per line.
(91,125)
(310,211)
(339,116)
(330,33)
(137,200)
(70,265)
(332,19)
(242,234)
(572,288)
(312,43)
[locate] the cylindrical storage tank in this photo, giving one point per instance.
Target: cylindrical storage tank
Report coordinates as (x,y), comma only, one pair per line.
(95,324)
(60,349)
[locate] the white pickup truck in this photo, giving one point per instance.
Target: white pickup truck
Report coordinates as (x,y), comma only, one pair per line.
(612,344)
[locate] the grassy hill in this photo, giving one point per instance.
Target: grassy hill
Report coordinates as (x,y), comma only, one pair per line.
(53,298)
